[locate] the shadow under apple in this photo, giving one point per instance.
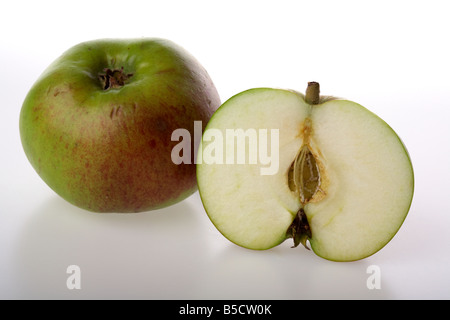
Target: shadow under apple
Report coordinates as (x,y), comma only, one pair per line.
(142,255)
(285,273)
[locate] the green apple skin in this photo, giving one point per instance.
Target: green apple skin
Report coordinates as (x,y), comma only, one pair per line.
(367,179)
(110,150)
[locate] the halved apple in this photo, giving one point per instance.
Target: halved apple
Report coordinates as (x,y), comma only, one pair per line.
(332,173)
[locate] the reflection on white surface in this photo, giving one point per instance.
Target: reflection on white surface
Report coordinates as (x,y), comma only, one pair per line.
(166,254)
(144,255)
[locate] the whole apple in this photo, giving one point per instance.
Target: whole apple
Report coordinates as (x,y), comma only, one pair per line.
(97,124)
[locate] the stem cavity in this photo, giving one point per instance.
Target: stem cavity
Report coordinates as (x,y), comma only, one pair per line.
(113,79)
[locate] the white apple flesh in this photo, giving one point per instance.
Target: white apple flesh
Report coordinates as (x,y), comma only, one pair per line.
(344,182)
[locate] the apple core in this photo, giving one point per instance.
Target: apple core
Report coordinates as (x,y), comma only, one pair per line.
(304,175)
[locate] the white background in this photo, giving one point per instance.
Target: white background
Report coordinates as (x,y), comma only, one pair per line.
(390,56)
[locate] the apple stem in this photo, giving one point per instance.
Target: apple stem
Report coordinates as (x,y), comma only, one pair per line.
(312,95)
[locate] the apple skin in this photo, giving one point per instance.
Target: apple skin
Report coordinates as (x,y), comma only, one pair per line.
(110,150)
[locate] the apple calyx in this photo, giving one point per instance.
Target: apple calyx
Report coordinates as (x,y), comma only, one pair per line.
(113,79)
(299,230)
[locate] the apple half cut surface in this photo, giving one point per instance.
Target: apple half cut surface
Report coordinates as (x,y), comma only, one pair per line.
(276,164)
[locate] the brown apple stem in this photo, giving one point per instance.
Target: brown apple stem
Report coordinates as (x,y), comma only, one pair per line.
(312,95)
